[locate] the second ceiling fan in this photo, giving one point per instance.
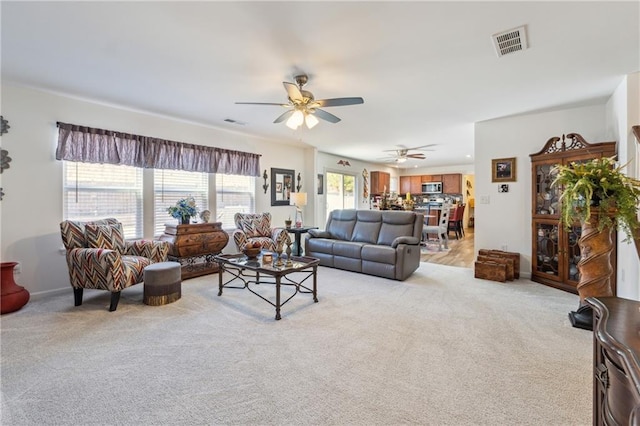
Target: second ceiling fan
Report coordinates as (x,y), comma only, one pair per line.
(304,108)
(402,153)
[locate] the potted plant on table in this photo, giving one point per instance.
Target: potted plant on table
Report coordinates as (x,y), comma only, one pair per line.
(183,210)
(599,196)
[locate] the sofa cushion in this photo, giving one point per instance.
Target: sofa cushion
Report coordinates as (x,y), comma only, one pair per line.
(109,237)
(367,226)
(347,249)
(395,224)
(319,245)
(341,223)
(380,254)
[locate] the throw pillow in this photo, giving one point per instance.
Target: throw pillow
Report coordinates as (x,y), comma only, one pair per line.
(256,226)
(110,237)
(250,228)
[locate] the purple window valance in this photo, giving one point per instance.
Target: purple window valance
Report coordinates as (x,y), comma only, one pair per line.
(89,145)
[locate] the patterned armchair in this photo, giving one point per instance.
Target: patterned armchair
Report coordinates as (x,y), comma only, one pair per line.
(257,227)
(98,257)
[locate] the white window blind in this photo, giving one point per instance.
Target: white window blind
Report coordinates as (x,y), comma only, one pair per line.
(234,194)
(98,191)
(170,186)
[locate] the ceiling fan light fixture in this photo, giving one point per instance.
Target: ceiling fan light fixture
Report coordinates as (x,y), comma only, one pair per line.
(296,119)
(310,120)
(401,160)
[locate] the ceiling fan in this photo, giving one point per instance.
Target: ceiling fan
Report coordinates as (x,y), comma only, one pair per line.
(402,153)
(304,108)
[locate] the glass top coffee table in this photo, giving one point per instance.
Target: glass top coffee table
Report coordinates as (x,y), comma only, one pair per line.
(247,272)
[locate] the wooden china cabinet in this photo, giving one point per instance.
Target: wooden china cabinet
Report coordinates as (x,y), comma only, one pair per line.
(555,250)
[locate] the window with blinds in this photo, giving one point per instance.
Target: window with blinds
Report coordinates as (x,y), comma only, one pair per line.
(98,191)
(170,186)
(234,194)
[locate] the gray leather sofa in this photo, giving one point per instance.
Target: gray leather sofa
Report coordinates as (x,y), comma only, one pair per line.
(383,243)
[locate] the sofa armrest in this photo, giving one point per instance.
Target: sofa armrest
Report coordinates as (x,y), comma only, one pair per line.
(317,233)
(157,251)
(412,241)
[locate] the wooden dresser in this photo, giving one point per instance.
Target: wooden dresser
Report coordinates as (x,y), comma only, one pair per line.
(616,361)
(194,246)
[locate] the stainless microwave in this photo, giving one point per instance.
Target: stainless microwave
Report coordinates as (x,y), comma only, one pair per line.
(432,187)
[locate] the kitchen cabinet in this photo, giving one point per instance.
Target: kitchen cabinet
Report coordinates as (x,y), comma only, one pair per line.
(380,181)
(431,178)
(555,249)
(405,185)
(415,185)
(411,184)
(452,183)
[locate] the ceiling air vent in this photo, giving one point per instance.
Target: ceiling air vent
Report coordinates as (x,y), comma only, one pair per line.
(510,41)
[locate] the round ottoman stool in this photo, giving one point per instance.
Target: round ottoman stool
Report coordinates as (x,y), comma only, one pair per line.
(162,283)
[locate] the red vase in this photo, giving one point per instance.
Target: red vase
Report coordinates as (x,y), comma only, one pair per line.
(12,296)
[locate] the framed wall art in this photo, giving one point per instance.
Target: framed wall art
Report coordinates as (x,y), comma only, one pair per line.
(281,186)
(503,170)
(320,184)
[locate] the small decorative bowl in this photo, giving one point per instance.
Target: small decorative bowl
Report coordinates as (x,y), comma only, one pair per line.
(252,252)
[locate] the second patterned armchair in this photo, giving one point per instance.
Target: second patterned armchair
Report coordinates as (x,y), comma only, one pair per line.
(257,227)
(98,257)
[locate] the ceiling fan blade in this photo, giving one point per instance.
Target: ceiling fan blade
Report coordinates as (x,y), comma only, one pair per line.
(339,102)
(284,116)
(420,147)
(292,91)
(262,103)
(418,156)
(325,116)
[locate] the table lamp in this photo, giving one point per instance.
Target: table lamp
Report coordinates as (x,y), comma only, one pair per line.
(298,199)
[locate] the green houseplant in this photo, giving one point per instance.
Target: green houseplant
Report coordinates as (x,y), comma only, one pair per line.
(602,198)
(601,186)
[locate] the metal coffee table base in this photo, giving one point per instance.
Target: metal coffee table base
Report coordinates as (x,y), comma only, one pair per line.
(250,274)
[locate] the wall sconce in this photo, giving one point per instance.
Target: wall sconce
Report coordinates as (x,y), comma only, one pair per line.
(344,163)
(4,126)
(299,184)
(265,177)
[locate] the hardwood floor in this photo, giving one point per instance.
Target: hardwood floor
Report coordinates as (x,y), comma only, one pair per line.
(460,253)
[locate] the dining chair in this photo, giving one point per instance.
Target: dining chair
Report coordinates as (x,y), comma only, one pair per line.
(455,221)
(441,229)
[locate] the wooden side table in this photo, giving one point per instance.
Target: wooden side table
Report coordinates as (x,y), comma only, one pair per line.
(297,245)
(194,246)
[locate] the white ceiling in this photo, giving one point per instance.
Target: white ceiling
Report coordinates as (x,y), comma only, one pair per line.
(426,70)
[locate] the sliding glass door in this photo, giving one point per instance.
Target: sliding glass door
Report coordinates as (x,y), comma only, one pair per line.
(341,191)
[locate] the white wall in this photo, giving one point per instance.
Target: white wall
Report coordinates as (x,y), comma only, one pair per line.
(465,169)
(505,221)
(329,163)
(623,112)
(31,210)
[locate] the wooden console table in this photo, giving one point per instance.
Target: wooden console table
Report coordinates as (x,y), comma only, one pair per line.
(194,246)
(616,361)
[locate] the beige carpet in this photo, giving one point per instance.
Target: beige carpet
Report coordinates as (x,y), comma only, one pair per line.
(441,348)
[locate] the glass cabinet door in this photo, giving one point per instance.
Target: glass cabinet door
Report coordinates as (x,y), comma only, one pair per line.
(546,249)
(546,199)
